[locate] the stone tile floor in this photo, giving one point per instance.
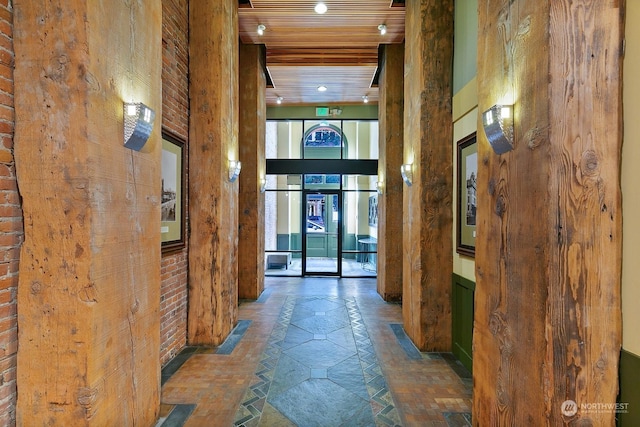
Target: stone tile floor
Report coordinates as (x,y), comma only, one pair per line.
(316,352)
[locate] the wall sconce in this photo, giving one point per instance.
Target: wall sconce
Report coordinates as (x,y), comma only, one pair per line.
(260,29)
(380,187)
(279,100)
(383,29)
(365,99)
(234,169)
(406,171)
(498,126)
(263,185)
(138,124)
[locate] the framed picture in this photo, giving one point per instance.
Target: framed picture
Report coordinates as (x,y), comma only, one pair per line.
(467,195)
(173,193)
(373,211)
(313,179)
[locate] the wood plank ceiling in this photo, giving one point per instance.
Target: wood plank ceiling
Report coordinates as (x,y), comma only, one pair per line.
(337,49)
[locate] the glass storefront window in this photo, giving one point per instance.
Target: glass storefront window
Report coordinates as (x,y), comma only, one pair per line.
(322,139)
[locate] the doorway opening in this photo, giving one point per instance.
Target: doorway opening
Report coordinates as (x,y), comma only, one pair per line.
(321,198)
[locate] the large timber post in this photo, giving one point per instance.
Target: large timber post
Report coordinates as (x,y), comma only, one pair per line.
(427,211)
(391,114)
(548,256)
(213,143)
(89,286)
(253,118)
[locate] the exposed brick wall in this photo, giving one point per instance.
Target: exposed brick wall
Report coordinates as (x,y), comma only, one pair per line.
(175,119)
(11,233)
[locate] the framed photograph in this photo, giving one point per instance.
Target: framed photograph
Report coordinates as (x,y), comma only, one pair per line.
(313,179)
(467,195)
(173,192)
(373,211)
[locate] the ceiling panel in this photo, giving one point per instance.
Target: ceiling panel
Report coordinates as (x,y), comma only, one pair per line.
(339,48)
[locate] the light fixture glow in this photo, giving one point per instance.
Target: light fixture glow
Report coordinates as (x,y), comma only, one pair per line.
(263,185)
(322,88)
(365,99)
(279,100)
(138,124)
(383,29)
(406,171)
(234,169)
(261,29)
(320,8)
(380,187)
(498,126)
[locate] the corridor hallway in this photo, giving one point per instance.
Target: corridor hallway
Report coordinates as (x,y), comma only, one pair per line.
(315,352)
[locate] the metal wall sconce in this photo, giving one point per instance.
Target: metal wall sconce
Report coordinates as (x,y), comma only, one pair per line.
(138,124)
(406,171)
(380,187)
(498,126)
(263,185)
(234,169)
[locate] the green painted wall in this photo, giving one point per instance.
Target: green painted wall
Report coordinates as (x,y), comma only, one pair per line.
(465,49)
(462,319)
(362,112)
(629,390)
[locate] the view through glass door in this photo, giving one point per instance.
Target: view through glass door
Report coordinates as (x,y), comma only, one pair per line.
(321,233)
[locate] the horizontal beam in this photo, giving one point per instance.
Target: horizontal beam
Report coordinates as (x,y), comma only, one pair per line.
(321,166)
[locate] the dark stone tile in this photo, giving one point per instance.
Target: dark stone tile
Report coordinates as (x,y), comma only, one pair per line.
(348,374)
(457,366)
(299,312)
(295,336)
(264,296)
(234,337)
(289,372)
(343,337)
(321,324)
(320,403)
(178,415)
(405,342)
(320,304)
(319,354)
(175,363)
(457,419)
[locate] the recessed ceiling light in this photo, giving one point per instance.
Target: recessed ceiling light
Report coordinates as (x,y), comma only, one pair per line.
(383,29)
(261,29)
(322,88)
(320,8)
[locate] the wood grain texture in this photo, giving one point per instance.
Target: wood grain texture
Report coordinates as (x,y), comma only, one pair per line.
(391,128)
(89,270)
(213,200)
(547,325)
(302,46)
(253,116)
(427,211)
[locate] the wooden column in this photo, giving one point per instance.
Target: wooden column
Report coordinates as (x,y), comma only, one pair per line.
(213,199)
(427,212)
(88,293)
(548,255)
(391,125)
(253,116)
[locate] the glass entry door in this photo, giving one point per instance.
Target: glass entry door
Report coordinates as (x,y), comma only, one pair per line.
(322,218)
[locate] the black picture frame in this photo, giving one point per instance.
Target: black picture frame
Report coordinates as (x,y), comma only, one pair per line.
(466,216)
(173,172)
